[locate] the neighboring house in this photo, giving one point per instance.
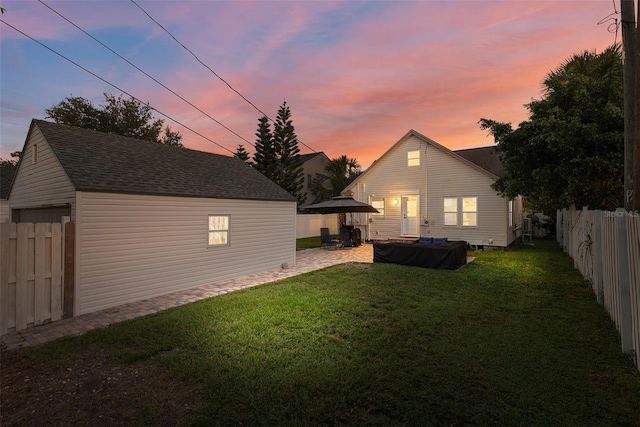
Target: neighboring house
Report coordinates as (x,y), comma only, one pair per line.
(313,167)
(421,188)
(6,176)
(150,219)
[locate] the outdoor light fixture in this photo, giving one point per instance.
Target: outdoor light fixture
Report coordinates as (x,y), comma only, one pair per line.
(395,201)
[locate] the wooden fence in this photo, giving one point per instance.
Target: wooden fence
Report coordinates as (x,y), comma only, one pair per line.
(31,274)
(605,247)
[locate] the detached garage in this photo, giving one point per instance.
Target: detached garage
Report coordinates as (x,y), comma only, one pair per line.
(150,219)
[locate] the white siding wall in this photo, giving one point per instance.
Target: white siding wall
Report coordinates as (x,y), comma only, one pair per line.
(451,177)
(5,212)
(41,184)
(390,179)
(132,247)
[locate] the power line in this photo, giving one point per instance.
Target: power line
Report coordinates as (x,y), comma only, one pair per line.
(209,68)
(113,85)
(143,72)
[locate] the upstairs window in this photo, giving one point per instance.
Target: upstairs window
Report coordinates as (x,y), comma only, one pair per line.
(218,230)
(413,158)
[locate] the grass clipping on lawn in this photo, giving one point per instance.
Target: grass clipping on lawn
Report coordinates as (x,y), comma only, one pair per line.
(515,338)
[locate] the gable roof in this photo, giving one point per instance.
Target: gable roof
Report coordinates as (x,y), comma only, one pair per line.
(306,157)
(464,157)
(104,162)
(485,157)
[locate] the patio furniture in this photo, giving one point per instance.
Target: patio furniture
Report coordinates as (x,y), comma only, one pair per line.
(446,255)
(326,241)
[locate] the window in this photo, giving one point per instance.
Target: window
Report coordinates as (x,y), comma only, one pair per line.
(469,211)
(218,230)
(378,204)
(413,158)
(461,210)
(510,213)
(450,211)
(34,153)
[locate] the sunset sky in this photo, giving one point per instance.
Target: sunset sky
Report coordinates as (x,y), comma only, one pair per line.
(356,75)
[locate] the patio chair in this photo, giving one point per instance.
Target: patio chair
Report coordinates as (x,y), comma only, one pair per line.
(345,236)
(326,241)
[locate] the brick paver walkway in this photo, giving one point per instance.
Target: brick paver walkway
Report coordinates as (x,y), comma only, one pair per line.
(306,260)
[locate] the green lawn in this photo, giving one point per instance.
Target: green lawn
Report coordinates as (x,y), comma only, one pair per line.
(514,339)
(310,242)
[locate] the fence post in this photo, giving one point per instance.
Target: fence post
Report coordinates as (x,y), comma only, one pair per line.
(565,231)
(597,267)
(626,323)
(587,243)
(559,226)
(69,270)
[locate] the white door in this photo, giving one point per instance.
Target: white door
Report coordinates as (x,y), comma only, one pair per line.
(410,215)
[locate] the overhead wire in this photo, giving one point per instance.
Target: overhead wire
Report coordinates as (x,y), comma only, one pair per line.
(613,27)
(114,86)
(209,68)
(144,72)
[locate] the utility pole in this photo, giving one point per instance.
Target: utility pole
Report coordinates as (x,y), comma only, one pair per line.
(627,15)
(636,144)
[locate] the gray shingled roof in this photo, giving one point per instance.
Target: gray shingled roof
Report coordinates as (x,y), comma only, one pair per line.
(305,157)
(103,162)
(6,176)
(485,157)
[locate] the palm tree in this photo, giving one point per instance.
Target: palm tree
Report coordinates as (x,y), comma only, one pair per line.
(342,171)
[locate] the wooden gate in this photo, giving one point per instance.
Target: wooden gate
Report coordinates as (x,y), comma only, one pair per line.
(31,274)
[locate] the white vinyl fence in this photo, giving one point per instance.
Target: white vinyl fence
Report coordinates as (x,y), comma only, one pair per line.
(310,225)
(605,247)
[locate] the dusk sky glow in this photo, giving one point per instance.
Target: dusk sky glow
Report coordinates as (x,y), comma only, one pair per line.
(356,75)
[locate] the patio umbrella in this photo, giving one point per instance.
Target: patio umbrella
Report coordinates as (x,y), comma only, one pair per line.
(341,204)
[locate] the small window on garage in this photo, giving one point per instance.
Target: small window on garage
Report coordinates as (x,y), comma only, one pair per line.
(34,153)
(218,230)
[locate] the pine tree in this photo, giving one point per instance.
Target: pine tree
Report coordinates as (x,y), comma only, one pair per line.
(242,154)
(265,157)
(289,174)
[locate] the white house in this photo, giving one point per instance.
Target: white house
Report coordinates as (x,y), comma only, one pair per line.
(150,219)
(422,188)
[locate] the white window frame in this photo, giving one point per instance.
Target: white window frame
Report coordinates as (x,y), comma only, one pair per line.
(467,213)
(413,158)
(450,212)
(510,213)
(34,153)
(462,214)
(381,209)
(217,228)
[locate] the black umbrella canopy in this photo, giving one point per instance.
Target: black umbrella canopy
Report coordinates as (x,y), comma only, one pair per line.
(341,204)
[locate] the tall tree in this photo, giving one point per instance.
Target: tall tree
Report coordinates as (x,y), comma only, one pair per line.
(242,154)
(341,171)
(570,151)
(265,155)
(289,174)
(127,117)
